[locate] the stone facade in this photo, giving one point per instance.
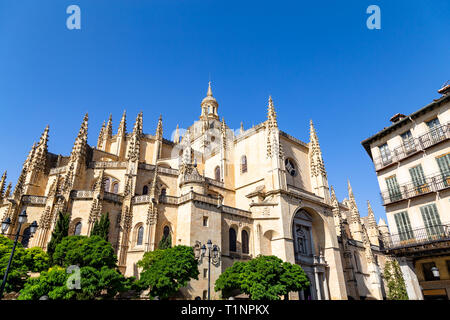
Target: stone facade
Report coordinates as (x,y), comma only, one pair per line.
(412,163)
(251,192)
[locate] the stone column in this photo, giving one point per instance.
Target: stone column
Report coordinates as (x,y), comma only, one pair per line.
(316,278)
(325,286)
(412,283)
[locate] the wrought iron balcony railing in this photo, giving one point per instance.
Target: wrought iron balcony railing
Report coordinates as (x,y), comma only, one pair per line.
(413,145)
(410,190)
(416,237)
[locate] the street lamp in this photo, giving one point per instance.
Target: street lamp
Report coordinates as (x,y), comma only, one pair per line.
(215,251)
(435,272)
(5,225)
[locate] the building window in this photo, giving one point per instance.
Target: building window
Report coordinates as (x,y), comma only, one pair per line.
(408,142)
(217,173)
(385,154)
(427,273)
(232,240)
(243,164)
(26,237)
(205,221)
(357,262)
(436,131)
(418,179)
(289,164)
(403,226)
(77,231)
(163,192)
(145,190)
(107,185)
(140,236)
(444,167)
(116,188)
(205,273)
(431,219)
(393,189)
(205,294)
(245,248)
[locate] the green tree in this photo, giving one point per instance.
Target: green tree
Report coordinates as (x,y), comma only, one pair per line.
(262,278)
(85,251)
(99,277)
(101,227)
(165,271)
(60,231)
(395,282)
(24,261)
(165,243)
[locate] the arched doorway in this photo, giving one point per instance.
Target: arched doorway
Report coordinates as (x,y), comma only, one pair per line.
(309,240)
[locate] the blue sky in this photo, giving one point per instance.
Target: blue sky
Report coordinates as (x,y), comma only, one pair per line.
(317,59)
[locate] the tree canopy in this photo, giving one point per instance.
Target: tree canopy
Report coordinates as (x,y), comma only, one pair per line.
(24,261)
(60,231)
(101,227)
(395,282)
(85,251)
(165,271)
(98,274)
(262,278)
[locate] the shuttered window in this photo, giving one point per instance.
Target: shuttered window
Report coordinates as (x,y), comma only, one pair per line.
(431,219)
(385,154)
(417,176)
(403,226)
(393,188)
(444,167)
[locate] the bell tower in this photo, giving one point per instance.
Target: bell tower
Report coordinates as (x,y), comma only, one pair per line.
(209,106)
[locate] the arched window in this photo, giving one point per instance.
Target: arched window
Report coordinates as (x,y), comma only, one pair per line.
(217,173)
(107,184)
(232,236)
(163,192)
(244,235)
(140,236)
(116,187)
(26,237)
(243,164)
(77,231)
(145,190)
(166,231)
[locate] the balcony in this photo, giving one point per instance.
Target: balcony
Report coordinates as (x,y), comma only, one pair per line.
(409,190)
(413,145)
(421,237)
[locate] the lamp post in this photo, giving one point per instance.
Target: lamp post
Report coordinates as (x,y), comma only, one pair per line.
(215,251)
(5,225)
(435,272)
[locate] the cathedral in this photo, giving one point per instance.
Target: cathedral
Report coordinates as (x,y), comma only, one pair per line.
(255,191)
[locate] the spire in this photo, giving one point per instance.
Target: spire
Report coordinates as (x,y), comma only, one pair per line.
(370,216)
(2,184)
(40,154)
(123,124)
(381,222)
(30,156)
(336,213)
(108,129)
(7,191)
(334,200)
(350,191)
(79,147)
(101,136)
(159,129)
(316,160)
(176,136)
(271,115)
(134,144)
(209,105)
(209,93)
(241,130)
(137,129)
